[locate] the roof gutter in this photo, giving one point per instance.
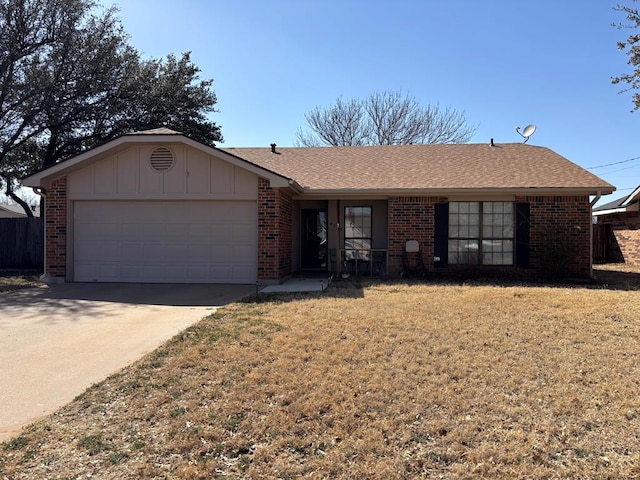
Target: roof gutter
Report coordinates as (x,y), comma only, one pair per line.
(447,192)
(596,198)
(295,186)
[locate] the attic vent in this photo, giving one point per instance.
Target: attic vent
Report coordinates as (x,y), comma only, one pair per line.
(161,159)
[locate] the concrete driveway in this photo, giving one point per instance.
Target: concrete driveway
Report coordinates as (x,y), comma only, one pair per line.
(56,341)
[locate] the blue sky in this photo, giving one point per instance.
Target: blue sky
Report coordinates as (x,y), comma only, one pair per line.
(504,63)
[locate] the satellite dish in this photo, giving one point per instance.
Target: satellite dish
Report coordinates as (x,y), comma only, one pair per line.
(527,132)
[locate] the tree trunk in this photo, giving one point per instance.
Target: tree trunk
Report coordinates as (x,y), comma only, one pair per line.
(10,193)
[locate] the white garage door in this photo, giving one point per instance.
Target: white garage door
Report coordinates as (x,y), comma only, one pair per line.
(165,242)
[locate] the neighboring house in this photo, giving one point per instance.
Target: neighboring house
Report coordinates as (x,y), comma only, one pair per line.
(11,211)
(156,206)
(16,211)
(618,230)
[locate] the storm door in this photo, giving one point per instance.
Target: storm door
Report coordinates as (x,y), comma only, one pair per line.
(314,239)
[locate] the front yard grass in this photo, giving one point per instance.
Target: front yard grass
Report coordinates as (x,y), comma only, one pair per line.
(377,381)
(9,283)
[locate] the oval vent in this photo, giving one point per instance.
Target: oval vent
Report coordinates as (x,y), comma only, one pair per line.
(161,159)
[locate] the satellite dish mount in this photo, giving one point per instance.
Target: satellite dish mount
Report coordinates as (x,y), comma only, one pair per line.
(527,132)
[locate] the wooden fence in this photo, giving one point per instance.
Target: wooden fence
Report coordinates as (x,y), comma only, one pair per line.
(22,243)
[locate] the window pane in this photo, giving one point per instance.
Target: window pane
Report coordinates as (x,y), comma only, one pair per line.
(357,232)
(507,231)
(469,252)
(507,208)
(495,237)
(360,243)
(507,246)
(497,252)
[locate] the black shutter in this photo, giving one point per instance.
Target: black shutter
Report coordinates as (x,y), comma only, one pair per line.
(440,235)
(522,235)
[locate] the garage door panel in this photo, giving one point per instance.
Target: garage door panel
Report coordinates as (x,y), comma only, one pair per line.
(241,251)
(165,242)
(153,230)
(152,251)
(130,231)
(243,231)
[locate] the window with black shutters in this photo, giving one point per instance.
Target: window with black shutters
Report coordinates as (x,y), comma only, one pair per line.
(481,233)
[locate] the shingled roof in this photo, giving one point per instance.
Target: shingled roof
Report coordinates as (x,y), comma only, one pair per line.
(619,205)
(425,167)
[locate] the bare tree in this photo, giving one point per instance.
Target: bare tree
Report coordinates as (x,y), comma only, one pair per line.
(343,124)
(384,118)
(631,47)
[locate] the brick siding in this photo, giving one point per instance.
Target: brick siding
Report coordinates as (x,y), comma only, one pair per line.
(55,208)
(624,239)
(560,242)
(411,218)
(560,235)
(275,240)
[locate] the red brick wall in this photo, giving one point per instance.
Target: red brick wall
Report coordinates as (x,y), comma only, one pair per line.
(629,241)
(275,240)
(625,241)
(55,208)
(411,218)
(560,235)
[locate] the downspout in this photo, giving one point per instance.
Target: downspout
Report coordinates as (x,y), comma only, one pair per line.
(338,249)
(591,204)
(42,193)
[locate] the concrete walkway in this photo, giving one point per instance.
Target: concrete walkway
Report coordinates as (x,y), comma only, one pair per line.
(56,341)
(299,285)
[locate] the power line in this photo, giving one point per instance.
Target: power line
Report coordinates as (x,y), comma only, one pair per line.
(617,170)
(614,163)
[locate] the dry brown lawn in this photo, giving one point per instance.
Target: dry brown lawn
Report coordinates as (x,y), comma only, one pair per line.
(10,283)
(371,381)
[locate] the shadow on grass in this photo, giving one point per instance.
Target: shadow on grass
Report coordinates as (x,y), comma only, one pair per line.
(616,279)
(608,279)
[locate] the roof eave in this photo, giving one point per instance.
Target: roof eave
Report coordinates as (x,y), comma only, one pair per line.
(443,192)
(40,178)
(621,209)
(597,213)
(632,196)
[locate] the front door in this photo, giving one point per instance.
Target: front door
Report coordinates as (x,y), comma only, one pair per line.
(314,238)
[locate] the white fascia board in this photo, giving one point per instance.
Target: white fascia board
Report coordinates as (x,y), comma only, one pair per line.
(609,211)
(631,197)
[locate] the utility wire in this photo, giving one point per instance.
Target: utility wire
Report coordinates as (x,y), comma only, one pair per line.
(614,163)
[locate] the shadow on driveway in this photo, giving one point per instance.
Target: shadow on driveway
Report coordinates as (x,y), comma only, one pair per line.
(70,300)
(175,295)
(56,341)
